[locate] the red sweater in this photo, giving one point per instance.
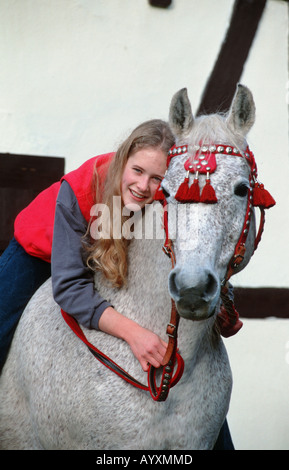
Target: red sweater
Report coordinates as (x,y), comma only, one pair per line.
(33,227)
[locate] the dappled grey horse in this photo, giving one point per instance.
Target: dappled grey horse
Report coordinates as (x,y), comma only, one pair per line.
(54,394)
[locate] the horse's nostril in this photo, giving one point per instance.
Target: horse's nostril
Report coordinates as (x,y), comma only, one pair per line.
(173,286)
(211,287)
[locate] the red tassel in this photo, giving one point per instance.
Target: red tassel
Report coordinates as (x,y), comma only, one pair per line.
(229,323)
(261,197)
(208,194)
(194,191)
(182,193)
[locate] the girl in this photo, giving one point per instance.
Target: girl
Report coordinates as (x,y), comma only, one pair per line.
(49,240)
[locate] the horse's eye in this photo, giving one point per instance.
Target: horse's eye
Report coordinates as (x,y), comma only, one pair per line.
(241,190)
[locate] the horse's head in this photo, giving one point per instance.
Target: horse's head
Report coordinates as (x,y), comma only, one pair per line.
(207,224)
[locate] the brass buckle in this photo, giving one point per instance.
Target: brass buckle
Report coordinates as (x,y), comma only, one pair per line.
(171,335)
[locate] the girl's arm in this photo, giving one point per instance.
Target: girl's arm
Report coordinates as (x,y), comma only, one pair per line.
(72,281)
(73,285)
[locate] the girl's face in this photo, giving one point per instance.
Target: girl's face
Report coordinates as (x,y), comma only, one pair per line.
(142,175)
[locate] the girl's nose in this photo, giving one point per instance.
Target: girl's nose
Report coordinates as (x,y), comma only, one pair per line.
(143,184)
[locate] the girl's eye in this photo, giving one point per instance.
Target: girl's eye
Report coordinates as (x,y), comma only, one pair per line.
(157,179)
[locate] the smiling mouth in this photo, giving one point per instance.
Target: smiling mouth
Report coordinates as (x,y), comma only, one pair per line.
(141,197)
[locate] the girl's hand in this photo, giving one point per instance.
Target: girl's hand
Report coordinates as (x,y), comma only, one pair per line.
(147,347)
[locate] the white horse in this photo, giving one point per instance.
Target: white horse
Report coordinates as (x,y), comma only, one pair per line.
(54,394)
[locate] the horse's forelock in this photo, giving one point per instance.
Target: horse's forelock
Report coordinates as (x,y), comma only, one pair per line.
(213,129)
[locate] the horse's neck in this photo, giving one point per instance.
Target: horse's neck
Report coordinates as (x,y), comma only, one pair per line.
(149,269)
(146,298)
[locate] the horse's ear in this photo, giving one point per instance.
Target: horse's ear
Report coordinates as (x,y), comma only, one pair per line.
(241,116)
(180,118)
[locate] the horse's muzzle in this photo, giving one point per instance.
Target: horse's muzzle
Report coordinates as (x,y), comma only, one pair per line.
(195,292)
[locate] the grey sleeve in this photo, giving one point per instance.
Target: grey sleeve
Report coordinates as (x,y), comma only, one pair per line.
(72,280)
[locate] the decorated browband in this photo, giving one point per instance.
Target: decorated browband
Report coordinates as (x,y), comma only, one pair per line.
(204,162)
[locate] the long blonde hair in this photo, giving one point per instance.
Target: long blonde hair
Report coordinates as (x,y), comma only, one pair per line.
(109,255)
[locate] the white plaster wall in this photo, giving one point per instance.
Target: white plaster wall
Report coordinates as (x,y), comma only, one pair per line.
(77,75)
(259,408)
(266,73)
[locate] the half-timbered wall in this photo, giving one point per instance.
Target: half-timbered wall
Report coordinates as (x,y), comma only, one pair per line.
(76,76)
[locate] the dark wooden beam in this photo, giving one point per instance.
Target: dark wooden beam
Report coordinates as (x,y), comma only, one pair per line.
(262,302)
(160,3)
(221,86)
(22,178)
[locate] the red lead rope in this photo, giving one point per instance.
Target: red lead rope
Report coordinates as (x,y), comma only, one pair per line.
(168,378)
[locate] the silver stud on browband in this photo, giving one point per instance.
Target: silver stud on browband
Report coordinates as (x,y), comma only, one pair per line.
(178,150)
(224,149)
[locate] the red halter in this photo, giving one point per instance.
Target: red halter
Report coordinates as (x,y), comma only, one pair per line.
(204,162)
